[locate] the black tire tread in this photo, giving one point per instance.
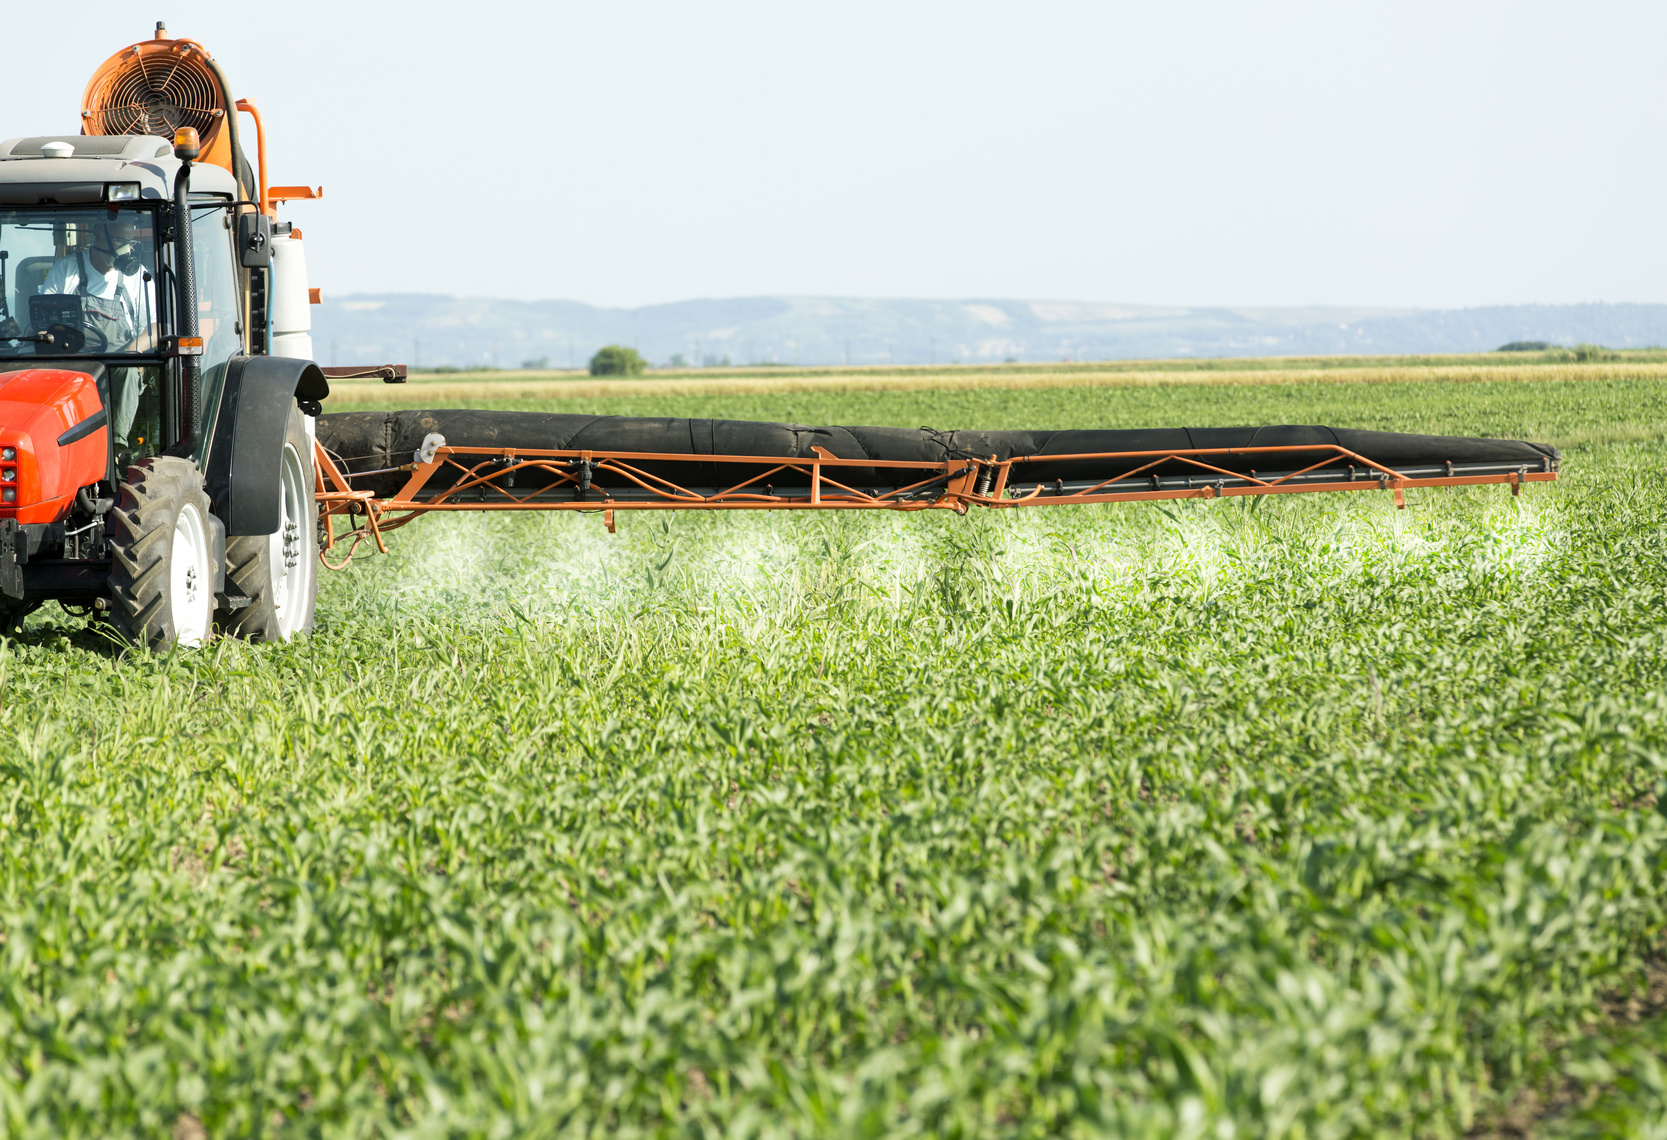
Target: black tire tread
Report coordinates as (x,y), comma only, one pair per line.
(140,532)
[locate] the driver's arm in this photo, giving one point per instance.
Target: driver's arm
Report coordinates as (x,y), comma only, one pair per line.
(57,278)
(144,342)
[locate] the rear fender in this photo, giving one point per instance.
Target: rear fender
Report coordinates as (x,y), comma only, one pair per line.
(248,441)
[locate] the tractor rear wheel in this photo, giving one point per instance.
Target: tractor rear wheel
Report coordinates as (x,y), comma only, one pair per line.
(161,572)
(279,572)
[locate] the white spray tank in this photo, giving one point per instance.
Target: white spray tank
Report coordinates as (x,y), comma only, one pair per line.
(292,318)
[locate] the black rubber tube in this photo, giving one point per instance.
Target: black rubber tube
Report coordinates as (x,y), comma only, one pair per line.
(248,186)
(185,279)
(372,441)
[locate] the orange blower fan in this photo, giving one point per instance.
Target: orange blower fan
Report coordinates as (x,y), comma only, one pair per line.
(159,85)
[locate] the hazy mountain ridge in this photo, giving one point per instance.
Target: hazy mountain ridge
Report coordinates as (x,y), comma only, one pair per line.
(428,330)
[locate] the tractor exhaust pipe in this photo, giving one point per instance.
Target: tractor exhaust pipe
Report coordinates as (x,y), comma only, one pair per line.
(186,149)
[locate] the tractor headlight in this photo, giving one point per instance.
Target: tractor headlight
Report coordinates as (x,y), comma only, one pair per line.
(8,495)
(9,454)
(121,191)
(8,474)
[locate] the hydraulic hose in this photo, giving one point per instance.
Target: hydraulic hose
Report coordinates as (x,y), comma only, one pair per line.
(242,171)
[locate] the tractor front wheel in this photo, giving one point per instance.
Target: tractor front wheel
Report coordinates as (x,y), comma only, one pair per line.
(161,573)
(12,615)
(278,573)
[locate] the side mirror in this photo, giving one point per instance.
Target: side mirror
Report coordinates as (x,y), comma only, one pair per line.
(254,240)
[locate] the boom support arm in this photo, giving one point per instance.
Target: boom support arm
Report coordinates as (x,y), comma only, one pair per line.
(444,478)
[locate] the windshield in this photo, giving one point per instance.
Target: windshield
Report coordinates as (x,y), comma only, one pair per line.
(78,281)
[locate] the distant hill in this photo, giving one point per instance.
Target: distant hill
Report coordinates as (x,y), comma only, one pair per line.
(429,330)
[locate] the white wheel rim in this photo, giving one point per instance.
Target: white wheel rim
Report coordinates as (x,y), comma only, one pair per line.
(190,585)
(287,550)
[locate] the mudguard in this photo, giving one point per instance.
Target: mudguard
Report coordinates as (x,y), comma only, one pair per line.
(241,469)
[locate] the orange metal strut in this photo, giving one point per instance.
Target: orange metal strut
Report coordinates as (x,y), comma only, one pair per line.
(248,106)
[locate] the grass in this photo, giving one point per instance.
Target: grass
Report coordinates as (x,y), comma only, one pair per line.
(1296,818)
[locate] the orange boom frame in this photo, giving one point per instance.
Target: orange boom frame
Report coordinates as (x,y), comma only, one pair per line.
(485,481)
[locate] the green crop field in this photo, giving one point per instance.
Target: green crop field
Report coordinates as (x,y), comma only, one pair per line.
(529,388)
(1300,818)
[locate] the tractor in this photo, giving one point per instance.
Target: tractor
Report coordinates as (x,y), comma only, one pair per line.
(156,389)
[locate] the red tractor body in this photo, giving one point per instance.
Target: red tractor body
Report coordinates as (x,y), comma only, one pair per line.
(52,442)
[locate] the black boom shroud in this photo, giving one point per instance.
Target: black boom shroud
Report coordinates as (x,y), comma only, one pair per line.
(373,441)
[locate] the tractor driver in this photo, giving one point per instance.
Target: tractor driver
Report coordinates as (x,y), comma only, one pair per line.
(118,305)
(118,302)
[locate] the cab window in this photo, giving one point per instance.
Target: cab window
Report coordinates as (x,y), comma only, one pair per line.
(78,281)
(219,300)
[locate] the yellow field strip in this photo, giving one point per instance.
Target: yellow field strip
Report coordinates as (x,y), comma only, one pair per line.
(453,389)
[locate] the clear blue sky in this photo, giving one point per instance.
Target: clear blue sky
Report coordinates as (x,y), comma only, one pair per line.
(1405,153)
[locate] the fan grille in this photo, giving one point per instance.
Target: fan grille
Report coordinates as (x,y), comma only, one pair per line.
(156,90)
